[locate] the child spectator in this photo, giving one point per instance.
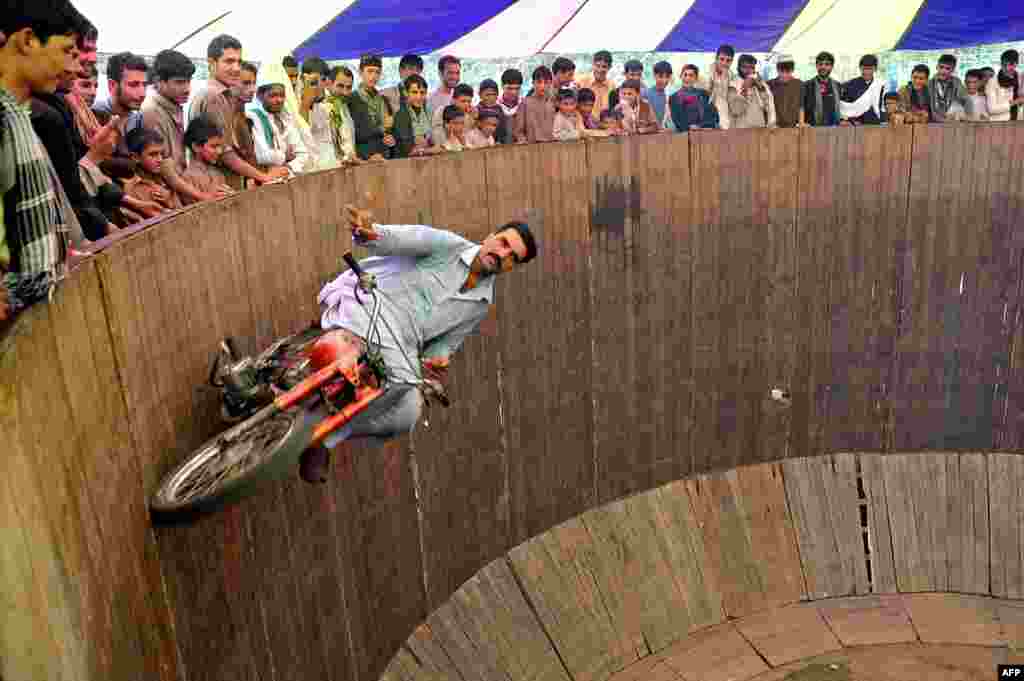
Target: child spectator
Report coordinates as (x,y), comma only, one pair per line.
(121,208)
(511,90)
(372,116)
(947,92)
(658,94)
(147,149)
(611,122)
(409,65)
(915,101)
(977,104)
(489,104)
(205,141)
(893,113)
(585,102)
(690,107)
(987,74)
(535,119)
(564,72)
(482,135)
(412,122)
(566,126)
(462,97)
(455,126)
(638,116)
(787,91)
(598,81)
(721,82)
(634,71)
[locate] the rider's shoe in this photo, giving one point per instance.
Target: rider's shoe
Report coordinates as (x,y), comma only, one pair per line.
(315,464)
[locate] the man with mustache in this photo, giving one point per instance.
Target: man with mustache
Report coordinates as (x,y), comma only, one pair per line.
(439,287)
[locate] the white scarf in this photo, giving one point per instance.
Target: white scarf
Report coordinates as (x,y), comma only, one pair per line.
(868,100)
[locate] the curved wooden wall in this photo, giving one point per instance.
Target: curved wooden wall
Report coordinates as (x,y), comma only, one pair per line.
(876,273)
(709,577)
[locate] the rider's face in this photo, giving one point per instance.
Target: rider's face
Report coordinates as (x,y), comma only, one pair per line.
(501,252)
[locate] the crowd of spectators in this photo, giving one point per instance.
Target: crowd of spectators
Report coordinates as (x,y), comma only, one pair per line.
(74,170)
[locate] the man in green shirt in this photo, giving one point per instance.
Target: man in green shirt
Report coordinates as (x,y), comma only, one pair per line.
(371,113)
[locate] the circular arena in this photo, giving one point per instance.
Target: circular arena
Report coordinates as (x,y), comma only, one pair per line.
(616,493)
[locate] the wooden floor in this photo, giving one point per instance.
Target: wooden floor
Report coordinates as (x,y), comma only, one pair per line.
(867,638)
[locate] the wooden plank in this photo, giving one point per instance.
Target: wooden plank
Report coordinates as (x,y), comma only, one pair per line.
(684,550)
(558,574)
(880,542)
(938,510)
(546,337)
(822,493)
(1006,203)
(1005,477)
(496,617)
(955,618)
(747,278)
(124,578)
(45,554)
(640,590)
(748,537)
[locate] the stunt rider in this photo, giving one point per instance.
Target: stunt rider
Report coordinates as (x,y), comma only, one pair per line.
(438,287)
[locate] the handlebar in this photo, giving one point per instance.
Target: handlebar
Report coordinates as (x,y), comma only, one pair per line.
(353,264)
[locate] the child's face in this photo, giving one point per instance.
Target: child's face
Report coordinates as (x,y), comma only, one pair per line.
(585,108)
(867,73)
(634,75)
(919,79)
(972,85)
(456,127)
(661,80)
(540,87)
(465,103)
(151,158)
(565,77)
(488,126)
(567,106)
(489,97)
(407,71)
(628,95)
(211,151)
(370,76)
(416,95)
(723,62)
(510,91)
(601,70)
(689,77)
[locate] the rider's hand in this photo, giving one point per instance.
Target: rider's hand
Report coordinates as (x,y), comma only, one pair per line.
(436,368)
(361,222)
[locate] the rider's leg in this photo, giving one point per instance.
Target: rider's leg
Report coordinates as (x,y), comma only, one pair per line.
(391,415)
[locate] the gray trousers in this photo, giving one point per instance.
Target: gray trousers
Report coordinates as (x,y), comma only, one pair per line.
(391,415)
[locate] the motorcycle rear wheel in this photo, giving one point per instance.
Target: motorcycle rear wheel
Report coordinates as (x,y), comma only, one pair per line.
(234,464)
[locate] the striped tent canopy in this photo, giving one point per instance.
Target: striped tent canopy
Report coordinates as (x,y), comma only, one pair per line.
(488,29)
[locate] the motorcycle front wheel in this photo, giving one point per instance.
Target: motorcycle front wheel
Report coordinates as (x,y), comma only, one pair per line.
(233,465)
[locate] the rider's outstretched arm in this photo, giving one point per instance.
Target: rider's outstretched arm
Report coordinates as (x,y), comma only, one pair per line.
(411,240)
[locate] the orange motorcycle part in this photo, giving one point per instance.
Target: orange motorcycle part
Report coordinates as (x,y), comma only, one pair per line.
(364,396)
(337,346)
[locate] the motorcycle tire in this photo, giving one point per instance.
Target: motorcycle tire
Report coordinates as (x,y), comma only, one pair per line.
(235,463)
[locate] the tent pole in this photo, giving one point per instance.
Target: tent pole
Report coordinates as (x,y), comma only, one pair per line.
(199,30)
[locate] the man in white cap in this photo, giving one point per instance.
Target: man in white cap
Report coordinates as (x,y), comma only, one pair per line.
(786,90)
(274,129)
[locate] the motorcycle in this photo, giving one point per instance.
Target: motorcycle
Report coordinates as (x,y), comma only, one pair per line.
(273,400)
